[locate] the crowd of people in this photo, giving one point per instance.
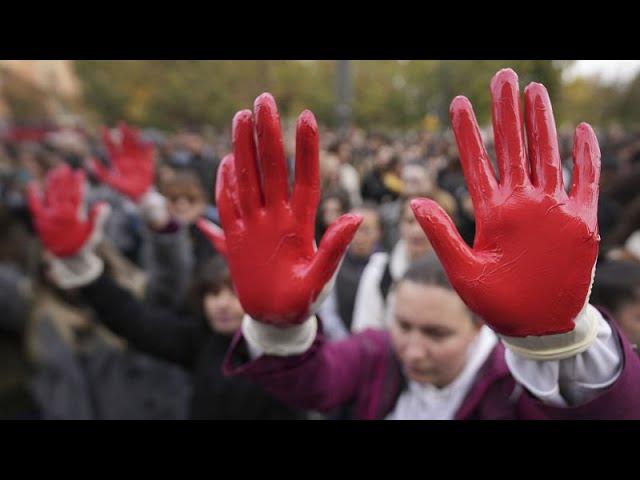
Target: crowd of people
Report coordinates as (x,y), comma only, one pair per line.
(151,336)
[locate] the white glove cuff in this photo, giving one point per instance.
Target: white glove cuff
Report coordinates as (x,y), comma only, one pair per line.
(280,341)
(76,271)
(559,346)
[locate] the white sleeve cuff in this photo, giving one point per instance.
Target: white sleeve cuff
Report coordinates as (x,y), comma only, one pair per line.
(574,380)
(154,210)
(264,339)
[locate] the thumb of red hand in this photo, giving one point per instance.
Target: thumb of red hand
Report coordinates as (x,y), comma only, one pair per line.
(445,239)
(214,234)
(332,247)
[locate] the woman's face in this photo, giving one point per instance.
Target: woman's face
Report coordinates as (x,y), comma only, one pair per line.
(344,152)
(410,231)
(186,207)
(416,181)
(368,234)
(223,311)
(431,332)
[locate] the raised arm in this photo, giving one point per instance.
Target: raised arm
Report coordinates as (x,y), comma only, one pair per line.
(279,274)
(530,270)
(70,235)
(167,255)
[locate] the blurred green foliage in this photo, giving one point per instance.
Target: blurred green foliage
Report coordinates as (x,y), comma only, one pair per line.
(188,93)
(604,104)
(386,94)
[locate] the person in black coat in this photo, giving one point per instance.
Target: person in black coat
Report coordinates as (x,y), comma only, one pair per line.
(157,325)
(198,343)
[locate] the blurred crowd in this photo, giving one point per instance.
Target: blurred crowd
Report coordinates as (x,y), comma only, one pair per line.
(149,344)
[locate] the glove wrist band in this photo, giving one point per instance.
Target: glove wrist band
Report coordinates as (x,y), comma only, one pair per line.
(280,341)
(558,346)
(77,271)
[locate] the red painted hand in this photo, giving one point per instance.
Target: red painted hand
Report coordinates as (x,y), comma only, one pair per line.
(530,269)
(132,165)
(268,235)
(58,217)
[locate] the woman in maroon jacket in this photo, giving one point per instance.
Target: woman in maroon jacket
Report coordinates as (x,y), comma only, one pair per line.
(544,352)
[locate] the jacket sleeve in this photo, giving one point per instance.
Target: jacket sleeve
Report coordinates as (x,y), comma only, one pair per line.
(150,329)
(326,375)
(600,383)
(169,260)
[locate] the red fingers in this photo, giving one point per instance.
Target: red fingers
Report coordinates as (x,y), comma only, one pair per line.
(507,129)
(586,173)
(478,173)
(524,236)
(306,190)
(278,273)
(544,154)
(246,163)
(227,199)
(271,151)
(58,219)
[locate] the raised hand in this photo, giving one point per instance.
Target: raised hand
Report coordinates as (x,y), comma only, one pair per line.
(532,262)
(58,216)
(269,231)
(132,165)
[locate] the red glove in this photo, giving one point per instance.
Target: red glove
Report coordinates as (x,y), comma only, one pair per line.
(58,217)
(215,235)
(277,271)
(132,165)
(530,269)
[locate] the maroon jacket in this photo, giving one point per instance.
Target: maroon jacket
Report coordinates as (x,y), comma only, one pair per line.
(363,372)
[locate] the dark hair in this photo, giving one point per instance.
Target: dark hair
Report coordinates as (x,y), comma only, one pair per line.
(427,270)
(345,205)
(339,194)
(183,181)
(211,277)
(334,147)
(616,283)
(394,162)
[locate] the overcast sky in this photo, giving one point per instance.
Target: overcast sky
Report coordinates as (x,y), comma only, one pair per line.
(608,70)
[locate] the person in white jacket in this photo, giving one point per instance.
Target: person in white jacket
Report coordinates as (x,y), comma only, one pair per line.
(384,269)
